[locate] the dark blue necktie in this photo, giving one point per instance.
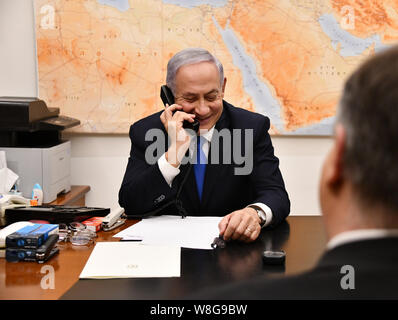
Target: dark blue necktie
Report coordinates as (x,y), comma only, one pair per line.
(200,166)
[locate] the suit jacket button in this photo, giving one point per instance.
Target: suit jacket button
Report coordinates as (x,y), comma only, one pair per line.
(160,198)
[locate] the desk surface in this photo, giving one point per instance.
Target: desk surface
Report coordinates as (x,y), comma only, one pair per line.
(75,197)
(302,238)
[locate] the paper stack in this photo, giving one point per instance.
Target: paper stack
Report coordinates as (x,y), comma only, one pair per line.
(190,232)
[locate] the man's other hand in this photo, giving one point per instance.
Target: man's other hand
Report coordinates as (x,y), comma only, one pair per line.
(242,225)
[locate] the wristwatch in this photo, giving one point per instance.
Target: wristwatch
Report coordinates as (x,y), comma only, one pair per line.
(261,215)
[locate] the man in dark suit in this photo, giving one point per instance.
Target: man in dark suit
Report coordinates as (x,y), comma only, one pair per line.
(160,177)
(358,195)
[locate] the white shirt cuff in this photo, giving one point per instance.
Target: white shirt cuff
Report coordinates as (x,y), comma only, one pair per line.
(267,210)
(168,171)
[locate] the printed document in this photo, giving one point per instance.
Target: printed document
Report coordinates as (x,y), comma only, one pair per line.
(132,260)
(190,232)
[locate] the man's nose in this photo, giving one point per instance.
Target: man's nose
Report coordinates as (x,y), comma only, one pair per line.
(201,109)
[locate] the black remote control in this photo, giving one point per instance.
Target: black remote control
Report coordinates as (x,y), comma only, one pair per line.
(274,257)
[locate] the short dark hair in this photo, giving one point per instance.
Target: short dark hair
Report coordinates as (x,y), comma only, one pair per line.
(369,113)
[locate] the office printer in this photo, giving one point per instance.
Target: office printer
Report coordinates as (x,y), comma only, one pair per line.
(30,134)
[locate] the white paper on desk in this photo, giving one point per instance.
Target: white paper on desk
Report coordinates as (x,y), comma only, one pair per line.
(190,232)
(131,260)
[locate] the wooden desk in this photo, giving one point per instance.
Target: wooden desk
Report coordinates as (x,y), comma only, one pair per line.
(75,197)
(24,276)
(302,238)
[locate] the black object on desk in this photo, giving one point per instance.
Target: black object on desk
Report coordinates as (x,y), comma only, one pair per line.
(274,257)
(40,254)
(218,242)
(54,213)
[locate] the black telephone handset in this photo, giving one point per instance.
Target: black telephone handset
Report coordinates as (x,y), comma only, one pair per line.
(167,97)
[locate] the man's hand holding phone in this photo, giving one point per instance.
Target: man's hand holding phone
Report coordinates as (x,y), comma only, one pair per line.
(173,118)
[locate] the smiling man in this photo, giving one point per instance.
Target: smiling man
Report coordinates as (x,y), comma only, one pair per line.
(210,183)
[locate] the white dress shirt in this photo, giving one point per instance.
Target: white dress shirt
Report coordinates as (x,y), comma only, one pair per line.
(169,172)
(358,235)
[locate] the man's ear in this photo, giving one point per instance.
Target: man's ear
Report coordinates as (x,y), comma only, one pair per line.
(223,86)
(335,170)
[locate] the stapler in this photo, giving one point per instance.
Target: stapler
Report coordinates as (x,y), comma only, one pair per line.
(114,219)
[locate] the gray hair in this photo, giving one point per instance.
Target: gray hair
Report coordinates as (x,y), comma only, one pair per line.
(190,56)
(369,113)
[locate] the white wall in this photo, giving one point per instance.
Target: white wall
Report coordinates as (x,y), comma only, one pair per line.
(100,161)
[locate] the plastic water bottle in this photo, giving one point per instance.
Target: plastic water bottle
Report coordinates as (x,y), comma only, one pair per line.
(37,194)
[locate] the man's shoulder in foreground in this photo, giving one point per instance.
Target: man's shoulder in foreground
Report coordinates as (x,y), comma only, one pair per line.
(359,270)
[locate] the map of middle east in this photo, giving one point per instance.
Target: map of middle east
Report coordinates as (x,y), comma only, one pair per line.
(103,61)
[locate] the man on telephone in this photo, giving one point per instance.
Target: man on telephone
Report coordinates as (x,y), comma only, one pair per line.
(202,173)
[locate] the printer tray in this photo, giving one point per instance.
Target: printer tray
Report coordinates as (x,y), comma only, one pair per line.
(54,213)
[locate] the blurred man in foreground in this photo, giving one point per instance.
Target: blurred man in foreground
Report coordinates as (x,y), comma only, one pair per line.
(359,199)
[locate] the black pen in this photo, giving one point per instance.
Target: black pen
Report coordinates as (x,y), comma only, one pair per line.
(130,240)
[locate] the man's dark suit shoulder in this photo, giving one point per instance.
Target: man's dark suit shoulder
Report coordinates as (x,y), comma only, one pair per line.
(140,127)
(244,119)
(139,130)
(374,263)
